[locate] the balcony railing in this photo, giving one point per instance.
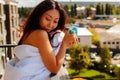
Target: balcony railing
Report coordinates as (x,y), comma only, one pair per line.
(6,53)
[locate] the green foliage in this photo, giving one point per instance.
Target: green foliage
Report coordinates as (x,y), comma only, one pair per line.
(101,9)
(73,10)
(108,9)
(105,63)
(105,55)
(80,59)
(118,11)
(108,27)
(66,7)
(86,49)
(23,11)
(90,74)
(117,72)
(114,9)
(72,20)
(79,17)
(95,38)
(88,11)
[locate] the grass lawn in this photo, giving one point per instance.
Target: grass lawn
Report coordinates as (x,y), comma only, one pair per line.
(91,74)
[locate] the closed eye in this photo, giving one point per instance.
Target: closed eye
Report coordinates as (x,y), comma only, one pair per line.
(55,21)
(48,19)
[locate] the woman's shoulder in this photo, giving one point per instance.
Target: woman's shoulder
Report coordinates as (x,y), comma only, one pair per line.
(39,32)
(35,37)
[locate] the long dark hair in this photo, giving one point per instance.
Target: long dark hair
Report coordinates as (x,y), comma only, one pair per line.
(32,22)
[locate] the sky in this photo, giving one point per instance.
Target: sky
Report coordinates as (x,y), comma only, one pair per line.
(32,3)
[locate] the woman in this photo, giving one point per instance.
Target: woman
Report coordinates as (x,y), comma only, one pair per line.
(41,50)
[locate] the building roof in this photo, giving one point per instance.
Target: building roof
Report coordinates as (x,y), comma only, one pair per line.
(82,31)
(107,36)
(114,29)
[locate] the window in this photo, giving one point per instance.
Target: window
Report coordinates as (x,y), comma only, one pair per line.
(13,34)
(0,9)
(1,42)
(117,42)
(12,21)
(79,39)
(113,42)
(117,47)
(11,9)
(1,31)
(108,42)
(104,42)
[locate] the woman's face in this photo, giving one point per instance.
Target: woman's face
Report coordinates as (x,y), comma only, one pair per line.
(49,20)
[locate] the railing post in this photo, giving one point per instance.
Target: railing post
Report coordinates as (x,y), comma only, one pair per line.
(8,51)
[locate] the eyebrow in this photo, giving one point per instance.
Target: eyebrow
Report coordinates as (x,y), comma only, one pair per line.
(51,16)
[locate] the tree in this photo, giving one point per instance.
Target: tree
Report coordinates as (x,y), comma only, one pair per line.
(75,11)
(79,59)
(118,10)
(114,9)
(24,11)
(95,38)
(108,9)
(102,9)
(117,72)
(72,11)
(72,20)
(88,11)
(66,9)
(99,9)
(105,63)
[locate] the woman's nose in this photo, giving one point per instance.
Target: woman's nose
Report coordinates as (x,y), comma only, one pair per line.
(51,24)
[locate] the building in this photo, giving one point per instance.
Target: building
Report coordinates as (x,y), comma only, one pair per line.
(81,11)
(2,25)
(9,19)
(84,36)
(111,40)
(12,20)
(110,37)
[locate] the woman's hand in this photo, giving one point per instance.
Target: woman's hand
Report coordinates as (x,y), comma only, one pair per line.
(70,38)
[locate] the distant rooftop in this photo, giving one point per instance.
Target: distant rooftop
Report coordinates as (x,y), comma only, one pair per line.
(108,36)
(33,3)
(114,29)
(82,31)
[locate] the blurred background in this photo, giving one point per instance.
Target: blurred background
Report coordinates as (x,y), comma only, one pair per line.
(97,25)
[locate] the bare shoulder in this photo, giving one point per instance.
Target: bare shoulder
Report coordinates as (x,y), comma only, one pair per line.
(36,37)
(39,33)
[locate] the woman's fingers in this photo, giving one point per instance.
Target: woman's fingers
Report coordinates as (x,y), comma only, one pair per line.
(70,38)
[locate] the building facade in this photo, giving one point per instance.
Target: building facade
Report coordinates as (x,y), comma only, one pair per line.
(84,36)
(12,20)
(9,20)
(2,23)
(114,44)
(110,37)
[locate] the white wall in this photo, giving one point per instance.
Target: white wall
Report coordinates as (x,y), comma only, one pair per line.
(85,40)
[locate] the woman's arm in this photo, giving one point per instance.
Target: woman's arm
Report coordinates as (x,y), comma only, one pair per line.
(39,38)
